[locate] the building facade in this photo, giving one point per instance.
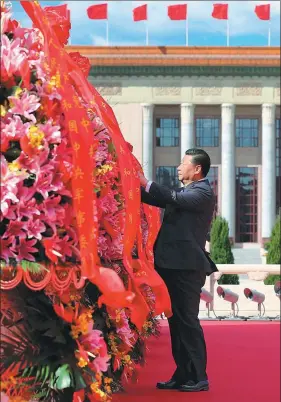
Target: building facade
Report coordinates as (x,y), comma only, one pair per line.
(224,100)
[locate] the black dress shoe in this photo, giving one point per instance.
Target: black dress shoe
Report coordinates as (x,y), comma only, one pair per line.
(171,384)
(192,386)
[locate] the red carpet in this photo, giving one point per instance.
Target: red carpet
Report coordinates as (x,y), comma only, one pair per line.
(244,365)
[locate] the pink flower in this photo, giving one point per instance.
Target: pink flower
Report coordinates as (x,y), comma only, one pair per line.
(49,179)
(9,182)
(7,249)
(14,129)
(52,213)
(100,156)
(38,63)
(102,243)
(25,105)
(52,133)
(114,250)
(4,397)
(66,247)
(27,206)
(5,18)
(108,203)
(32,39)
(101,363)
(15,229)
(93,340)
(33,164)
(35,229)
(24,249)
(12,59)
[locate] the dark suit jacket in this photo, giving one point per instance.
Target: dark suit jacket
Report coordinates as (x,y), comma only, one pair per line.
(188,214)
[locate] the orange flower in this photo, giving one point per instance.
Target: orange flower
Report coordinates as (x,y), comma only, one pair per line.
(82,362)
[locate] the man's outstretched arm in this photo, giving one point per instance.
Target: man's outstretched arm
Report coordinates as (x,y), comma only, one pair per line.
(150,200)
(194,199)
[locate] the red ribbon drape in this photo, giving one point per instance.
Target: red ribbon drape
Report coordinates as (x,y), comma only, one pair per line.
(79,129)
(69,76)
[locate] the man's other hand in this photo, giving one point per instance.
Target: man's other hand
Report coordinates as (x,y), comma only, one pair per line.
(143,180)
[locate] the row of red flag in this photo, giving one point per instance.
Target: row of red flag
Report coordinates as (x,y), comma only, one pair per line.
(176,12)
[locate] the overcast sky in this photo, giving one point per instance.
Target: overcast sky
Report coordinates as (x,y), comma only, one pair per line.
(245,28)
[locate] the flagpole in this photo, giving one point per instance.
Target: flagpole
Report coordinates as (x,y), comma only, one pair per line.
(269,33)
(186,31)
(227,32)
(147,40)
(107,33)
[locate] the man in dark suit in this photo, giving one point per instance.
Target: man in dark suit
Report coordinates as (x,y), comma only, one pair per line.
(181,260)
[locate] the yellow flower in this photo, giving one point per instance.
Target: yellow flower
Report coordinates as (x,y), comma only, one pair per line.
(55,81)
(98,377)
(127,358)
(108,380)
(75,331)
(94,386)
(107,389)
(82,362)
(14,166)
(103,169)
(17,92)
(3,111)
(35,136)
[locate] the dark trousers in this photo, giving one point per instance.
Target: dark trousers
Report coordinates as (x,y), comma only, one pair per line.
(188,343)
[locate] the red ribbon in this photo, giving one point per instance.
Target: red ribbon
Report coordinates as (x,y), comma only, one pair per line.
(79,127)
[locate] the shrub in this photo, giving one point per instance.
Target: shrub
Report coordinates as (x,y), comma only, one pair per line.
(273,252)
(221,252)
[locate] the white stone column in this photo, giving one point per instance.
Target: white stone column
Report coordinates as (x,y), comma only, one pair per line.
(187,124)
(228,180)
(268,170)
(147,140)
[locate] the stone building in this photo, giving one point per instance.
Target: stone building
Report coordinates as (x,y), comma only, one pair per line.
(225,100)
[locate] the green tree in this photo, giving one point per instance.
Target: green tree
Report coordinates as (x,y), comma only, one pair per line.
(221,252)
(273,252)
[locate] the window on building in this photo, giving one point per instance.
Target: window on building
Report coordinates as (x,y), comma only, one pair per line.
(278,168)
(167,132)
(213,180)
(167,176)
(207,132)
(247,133)
(246,205)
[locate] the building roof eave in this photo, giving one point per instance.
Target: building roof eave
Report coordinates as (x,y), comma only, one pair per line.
(184,70)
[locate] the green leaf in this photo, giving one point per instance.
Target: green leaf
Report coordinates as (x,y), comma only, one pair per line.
(47,373)
(78,380)
(64,377)
(111,147)
(32,267)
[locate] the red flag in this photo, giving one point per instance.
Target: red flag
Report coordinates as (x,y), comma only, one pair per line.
(97,12)
(220,11)
(140,13)
(263,12)
(177,12)
(60,10)
(59,17)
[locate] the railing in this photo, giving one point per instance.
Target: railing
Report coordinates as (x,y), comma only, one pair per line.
(255,272)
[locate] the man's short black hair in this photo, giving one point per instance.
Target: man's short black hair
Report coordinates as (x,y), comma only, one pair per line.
(200,157)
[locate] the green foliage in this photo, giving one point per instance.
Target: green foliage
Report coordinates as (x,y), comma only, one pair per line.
(40,342)
(221,252)
(273,252)
(32,267)
(63,377)
(272,279)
